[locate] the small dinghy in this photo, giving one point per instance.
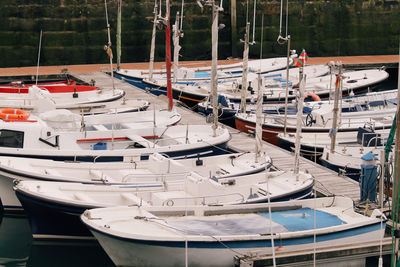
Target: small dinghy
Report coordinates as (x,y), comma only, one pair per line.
(318,121)
(157,168)
(313,144)
(212,236)
(65,120)
(34,138)
(52,207)
(29,99)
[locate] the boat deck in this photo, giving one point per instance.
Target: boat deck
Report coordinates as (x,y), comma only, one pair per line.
(327,181)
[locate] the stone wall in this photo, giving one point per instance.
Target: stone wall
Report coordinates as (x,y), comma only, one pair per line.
(74,31)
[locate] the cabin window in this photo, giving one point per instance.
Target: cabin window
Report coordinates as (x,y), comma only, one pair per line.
(11,139)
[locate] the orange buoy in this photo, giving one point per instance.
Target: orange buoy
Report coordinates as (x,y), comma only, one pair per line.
(313,96)
(13,114)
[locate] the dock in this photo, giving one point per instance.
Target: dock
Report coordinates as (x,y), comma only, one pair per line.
(327,182)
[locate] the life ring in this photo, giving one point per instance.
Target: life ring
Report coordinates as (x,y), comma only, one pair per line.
(13,114)
(313,96)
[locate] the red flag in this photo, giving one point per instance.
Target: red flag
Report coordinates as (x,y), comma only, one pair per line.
(108,50)
(302,60)
(337,83)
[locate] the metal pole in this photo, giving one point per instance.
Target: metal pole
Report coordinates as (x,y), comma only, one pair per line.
(300,101)
(259,117)
(214,82)
(233,28)
(168,57)
(153,42)
(287,84)
(109,47)
(338,87)
(177,47)
(245,69)
(119,34)
(38,61)
(382,178)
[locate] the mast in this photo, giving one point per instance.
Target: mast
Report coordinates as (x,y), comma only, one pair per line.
(245,69)
(168,56)
(287,81)
(214,82)
(259,117)
(153,41)
(108,48)
(246,58)
(38,61)
(332,132)
(177,47)
(119,34)
(298,126)
(282,40)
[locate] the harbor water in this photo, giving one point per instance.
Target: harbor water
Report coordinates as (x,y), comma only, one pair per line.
(17,248)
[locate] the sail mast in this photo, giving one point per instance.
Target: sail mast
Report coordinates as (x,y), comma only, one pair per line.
(168,55)
(333,130)
(214,82)
(108,47)
(300,101)
(119,34)
(153,41)
(245,68)
(177,47)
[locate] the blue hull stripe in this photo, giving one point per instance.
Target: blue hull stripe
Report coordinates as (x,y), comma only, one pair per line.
(259,243)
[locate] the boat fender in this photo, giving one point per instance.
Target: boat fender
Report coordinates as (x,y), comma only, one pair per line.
(13,114)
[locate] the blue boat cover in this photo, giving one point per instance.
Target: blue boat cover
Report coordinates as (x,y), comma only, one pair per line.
(255,223)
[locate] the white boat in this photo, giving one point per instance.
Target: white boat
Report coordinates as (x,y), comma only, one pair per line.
(318,121)
(53,206)
(65,120)
(346,160)
(313,144)
(204,73)
(154,170)
(33,138)
(353,82)
(116,106)
(191,89)
(60,100)
(211,236)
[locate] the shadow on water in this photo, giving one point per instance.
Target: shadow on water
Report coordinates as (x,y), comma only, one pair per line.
(17,248)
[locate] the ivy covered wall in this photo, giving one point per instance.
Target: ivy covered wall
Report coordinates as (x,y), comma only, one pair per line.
(74,31)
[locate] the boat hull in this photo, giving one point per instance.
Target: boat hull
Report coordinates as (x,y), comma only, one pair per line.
(51,219)
(128,252)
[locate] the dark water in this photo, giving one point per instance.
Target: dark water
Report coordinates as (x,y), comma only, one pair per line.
(17,248)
